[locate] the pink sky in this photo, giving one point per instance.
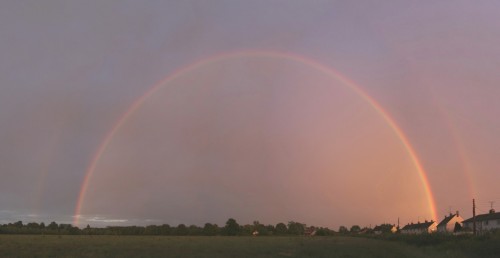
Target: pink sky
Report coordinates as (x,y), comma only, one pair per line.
(251,138)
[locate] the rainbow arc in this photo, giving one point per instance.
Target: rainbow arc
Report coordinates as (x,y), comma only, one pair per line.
(268,54)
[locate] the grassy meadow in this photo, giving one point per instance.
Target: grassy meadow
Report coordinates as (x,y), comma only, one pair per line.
(221,246)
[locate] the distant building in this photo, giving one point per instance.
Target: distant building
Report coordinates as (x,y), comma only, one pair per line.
(419,228)
(449,223)
(310,231)
(385,228)
(484,222)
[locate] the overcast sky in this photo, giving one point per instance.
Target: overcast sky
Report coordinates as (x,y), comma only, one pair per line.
(253,136)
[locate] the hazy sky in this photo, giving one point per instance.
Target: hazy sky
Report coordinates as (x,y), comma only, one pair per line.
(253,136)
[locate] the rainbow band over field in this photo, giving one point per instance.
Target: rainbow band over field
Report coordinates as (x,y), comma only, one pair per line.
(240,54)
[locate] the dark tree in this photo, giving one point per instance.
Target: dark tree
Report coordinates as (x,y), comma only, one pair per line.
(343,230)
(18,224)
(210,229)
(270,229)
(355,229)
(281,229)
(324,232)
(53,226)
(33,225)
(165,229)
(260,228)
(181,230)
(232,228)
(296,228)
(152,230)
(194,230)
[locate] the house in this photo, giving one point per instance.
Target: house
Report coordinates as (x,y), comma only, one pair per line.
(385,228)
(450,223)
(419,228)
(310,231)
(484,222)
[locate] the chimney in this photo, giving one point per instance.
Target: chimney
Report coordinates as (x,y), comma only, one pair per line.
(458,214)
(492,211)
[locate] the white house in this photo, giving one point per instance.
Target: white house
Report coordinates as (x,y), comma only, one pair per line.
(484,222)
(419,228)
(448,224)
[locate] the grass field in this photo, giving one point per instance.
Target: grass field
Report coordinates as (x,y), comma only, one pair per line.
(171,246)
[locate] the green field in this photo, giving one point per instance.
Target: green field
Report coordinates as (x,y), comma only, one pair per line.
(219,246)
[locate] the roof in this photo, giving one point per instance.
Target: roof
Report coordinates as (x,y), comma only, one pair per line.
(423,225)
(483,217)
(447,219)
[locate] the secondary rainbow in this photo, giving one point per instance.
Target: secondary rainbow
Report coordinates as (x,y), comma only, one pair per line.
(459,145)
(251,53)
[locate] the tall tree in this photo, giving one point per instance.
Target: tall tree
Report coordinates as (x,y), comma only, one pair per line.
(53,226)
(281,229)
(355,229)
(232,228)
(296,228)
(343,230)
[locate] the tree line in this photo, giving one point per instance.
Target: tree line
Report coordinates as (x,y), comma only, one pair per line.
(231,228)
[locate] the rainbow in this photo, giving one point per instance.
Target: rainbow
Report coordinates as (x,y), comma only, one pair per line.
(270,54)
(459,146)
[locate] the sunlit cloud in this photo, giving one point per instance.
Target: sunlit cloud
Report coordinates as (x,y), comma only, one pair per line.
(105,220)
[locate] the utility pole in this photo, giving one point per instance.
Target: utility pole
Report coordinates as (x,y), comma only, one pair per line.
(474,216)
